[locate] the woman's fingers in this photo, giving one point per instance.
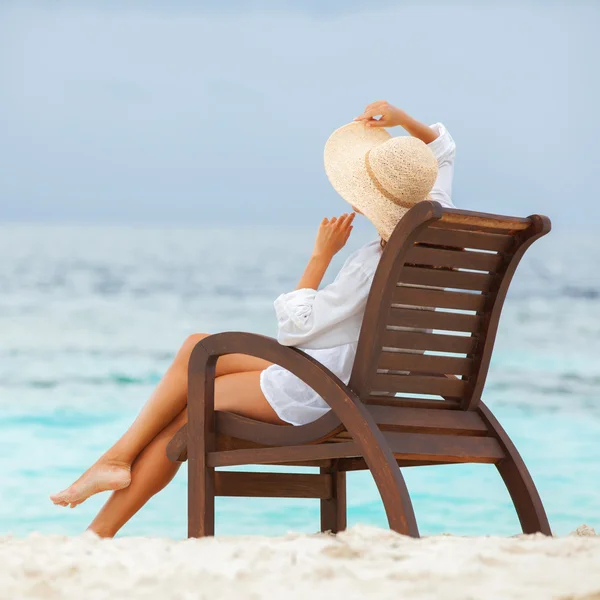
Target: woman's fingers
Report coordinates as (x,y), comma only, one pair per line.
(372,110)
(373,106)
(344,220)
(376,104)
(381,107)
(348,218)
(382,122)
(367,116)
(372,122)
(340,223)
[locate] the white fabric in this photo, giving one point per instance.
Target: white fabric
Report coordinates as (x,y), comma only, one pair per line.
(326,323)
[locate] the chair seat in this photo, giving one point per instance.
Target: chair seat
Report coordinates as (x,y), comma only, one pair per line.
(413,434)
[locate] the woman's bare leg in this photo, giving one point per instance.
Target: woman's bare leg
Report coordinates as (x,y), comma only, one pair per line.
(152,470)
(112,471)
(150,473)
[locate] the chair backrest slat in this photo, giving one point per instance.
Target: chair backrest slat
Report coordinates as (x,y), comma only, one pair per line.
(407,402)
(419,384)
(431,256)
(427,363)
(422,319)
(496,242)
(465,220)
(411,340)
(457,280)
(432,314)
(410,296)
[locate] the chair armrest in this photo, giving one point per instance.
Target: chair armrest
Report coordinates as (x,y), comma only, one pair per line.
(316,375)
(345,404)
(353,414)
(248,429)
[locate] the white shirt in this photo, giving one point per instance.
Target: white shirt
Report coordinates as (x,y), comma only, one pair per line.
(326,323)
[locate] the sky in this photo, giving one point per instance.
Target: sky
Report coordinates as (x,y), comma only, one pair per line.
(216,113)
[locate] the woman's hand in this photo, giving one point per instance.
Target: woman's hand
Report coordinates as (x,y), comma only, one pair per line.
(333,235)
(392,116)
(389,116)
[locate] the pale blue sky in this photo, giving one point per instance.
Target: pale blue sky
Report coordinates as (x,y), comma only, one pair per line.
(137,112)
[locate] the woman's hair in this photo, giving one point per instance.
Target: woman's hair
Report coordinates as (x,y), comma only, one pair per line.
(382,243)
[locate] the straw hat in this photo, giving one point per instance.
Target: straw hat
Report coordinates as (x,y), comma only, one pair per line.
(380,175)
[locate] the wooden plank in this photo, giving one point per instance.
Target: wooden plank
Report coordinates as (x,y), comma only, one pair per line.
(496,242)
(444,448)
(201,441)
(475,228)
(306,463)
(177,447)
(408,402)
(286,454)
(226,442)
(482,220)
(425,363)
(359,464)
(352,464)
(428,420)
(458,259)
(417,384)
(429,319)
(459,280)
(273,485)
(334,509)
(435,342)
(438,298)
(266,434)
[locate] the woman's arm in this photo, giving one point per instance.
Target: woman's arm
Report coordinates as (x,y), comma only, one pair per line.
(331,238)
(392,116)
(306,312)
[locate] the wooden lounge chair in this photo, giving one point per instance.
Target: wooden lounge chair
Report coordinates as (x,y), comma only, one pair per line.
(414,397)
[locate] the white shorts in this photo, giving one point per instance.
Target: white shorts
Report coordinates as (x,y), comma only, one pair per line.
(293,400)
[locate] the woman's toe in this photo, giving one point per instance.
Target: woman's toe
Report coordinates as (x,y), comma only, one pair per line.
(62,498)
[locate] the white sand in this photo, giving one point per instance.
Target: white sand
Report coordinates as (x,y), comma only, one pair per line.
(363,562)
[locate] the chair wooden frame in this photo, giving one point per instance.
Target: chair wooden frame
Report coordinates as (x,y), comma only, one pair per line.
(442,270)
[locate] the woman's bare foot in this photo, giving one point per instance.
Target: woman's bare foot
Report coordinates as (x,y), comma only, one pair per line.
(100,477)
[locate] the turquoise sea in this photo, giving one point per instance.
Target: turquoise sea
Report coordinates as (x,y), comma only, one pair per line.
(91,316)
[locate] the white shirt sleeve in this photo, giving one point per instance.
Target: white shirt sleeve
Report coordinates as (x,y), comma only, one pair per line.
(305,314)
(444,149)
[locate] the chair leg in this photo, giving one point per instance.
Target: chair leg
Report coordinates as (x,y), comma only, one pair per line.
(201,441)
(518,480)
(403,511)
(201,485)
(201,500)
(525,497)
(333,510)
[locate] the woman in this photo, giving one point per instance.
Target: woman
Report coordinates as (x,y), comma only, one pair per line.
(381,177)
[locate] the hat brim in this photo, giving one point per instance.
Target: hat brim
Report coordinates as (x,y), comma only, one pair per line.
(345,167)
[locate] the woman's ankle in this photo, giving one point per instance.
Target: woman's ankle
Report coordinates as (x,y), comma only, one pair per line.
(103,532)
(117,460)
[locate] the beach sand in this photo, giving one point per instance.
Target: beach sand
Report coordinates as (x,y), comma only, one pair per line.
(363,562)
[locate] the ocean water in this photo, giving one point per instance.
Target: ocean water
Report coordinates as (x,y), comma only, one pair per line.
(91,317)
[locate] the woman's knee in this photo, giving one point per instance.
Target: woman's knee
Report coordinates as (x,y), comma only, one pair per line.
(186,349)
(175,425)
(181,419)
